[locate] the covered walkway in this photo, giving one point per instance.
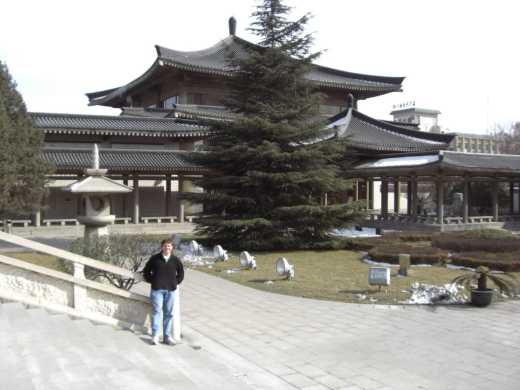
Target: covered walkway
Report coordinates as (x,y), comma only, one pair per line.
(465,188)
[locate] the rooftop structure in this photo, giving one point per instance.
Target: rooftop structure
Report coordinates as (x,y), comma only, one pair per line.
(163,85)
(425,119)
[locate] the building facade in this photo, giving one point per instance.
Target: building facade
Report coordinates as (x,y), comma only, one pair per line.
(164,116)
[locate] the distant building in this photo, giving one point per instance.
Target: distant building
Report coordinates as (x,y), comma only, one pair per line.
(427,120)
(475,143)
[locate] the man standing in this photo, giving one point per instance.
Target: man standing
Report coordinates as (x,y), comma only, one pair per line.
(164,271)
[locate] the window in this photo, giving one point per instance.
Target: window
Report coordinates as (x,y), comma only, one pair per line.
(170,102)
(195,98)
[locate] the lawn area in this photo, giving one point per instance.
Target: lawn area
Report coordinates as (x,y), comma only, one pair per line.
(337,275)
(333,275)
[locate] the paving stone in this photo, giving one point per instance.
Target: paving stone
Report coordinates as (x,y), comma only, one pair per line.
(330,381)
(299,380)
(315,387)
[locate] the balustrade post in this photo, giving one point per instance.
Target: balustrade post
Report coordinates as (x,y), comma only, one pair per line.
(80,292)
(177,315)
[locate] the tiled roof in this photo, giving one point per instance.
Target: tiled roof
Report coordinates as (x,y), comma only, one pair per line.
(213,60)
(53,123)
(506,163)
(122,160)
(446,161)
(369,134)
(181,111)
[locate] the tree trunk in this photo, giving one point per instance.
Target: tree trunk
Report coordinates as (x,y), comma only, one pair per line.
(482,282)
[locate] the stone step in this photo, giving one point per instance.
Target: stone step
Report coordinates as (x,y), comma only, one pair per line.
(44,350)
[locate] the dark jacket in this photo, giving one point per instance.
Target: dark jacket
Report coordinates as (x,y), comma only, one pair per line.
(163,275)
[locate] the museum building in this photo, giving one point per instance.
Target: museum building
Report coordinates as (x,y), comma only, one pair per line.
(165,114)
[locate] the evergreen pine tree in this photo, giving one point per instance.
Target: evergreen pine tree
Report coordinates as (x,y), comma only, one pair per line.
(22,171)
(268,179)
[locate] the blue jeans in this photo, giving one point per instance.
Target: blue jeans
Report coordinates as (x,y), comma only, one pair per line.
(162,306)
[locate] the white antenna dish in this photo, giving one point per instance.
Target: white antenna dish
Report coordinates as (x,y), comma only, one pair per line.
(283,268)
(247,261)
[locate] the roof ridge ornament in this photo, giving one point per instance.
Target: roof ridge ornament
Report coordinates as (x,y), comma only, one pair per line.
(232,22)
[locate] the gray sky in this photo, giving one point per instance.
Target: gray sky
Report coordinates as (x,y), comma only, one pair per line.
(461,57)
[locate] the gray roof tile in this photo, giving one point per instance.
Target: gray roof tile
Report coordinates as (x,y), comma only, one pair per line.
(121,160)
(115,125)
(213,60)
(446,161)
(370,134)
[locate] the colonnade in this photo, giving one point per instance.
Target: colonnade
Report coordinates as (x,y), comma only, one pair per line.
(131,207)
(412,197)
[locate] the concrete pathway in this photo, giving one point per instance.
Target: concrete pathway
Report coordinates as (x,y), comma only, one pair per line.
(312,345)
(236,337)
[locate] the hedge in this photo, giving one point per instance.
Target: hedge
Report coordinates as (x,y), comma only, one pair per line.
(418,255)
(506,263)
(458,243)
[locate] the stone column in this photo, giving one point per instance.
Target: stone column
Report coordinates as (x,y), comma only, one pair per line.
(185,185)
(367,192)
(325,199)
(136,199)
(494,196)
(397,196)
(440,201)
(168,195)
(409,197)
(37,218)
(414,197)
(465,206)
(511,198)
(370,190)
(125,201)
(384,198)
(356,190)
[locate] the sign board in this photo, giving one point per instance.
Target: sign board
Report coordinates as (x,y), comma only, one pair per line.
(379,276)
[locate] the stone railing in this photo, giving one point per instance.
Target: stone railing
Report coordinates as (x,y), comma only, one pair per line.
(74,294)
(55,222)
(170,219)
(429,219)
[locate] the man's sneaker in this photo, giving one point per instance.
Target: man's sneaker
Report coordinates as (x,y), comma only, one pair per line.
(168,341)
(155,340)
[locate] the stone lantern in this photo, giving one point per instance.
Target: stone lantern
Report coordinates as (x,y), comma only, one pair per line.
(95,190)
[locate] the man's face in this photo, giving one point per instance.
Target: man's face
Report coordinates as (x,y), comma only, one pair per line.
(167,248)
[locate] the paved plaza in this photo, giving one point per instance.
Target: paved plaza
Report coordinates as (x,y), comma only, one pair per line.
(240,338)
(310,344)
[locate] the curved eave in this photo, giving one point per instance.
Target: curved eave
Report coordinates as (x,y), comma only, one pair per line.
(128,133)
(116,94)
(395,148)
(321,83)
(395,81)
(445,138)
(368,135)
(446,163)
